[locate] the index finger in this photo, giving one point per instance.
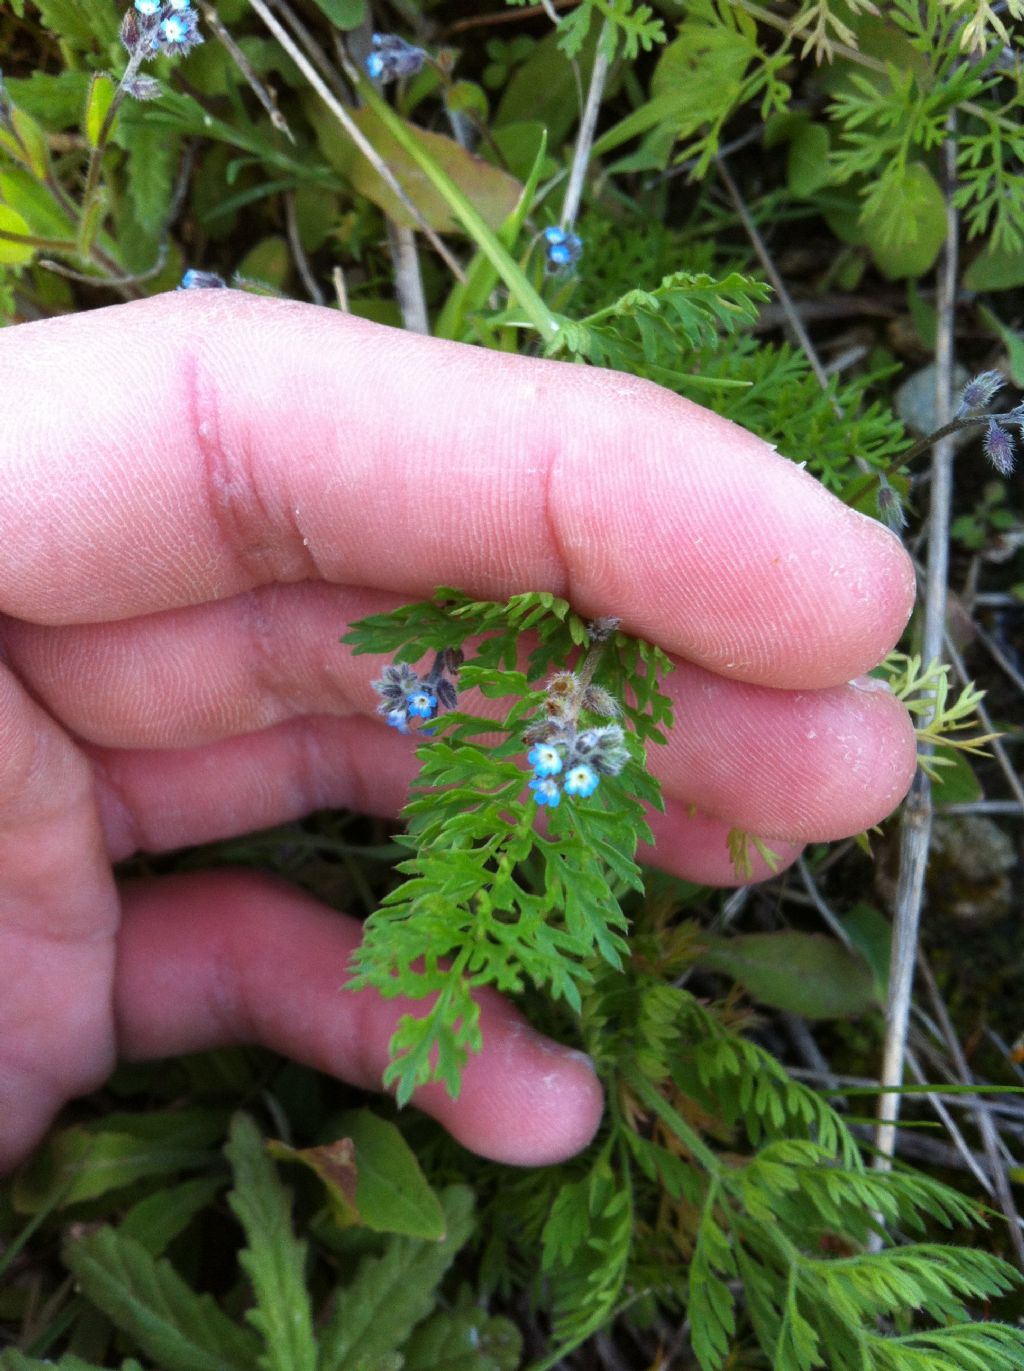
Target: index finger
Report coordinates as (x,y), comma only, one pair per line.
(192,446)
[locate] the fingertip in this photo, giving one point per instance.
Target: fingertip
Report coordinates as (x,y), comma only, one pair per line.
(526,1100)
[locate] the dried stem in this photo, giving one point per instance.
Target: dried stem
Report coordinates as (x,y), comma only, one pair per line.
(408,279)
(915,836)
(588,126)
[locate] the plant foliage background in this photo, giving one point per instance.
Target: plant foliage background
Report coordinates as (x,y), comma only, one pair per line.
(747,168)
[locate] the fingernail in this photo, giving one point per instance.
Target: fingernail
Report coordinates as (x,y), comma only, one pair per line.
(871,685)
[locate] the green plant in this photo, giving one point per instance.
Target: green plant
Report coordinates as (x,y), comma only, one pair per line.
(721,1189)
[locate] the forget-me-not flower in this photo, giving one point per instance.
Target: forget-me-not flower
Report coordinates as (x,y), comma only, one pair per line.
(544,759)
(581,780)
(546,791)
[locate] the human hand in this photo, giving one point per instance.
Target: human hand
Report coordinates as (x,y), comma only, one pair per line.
(200,492)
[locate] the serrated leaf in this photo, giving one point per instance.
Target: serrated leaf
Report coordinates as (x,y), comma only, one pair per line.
(152,166)
(273,1258)
(84,25)
(804,973)
(149,1302)
(392,1293)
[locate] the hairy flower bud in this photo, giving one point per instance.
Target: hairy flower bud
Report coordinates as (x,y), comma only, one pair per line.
(600,630)
(999,448)
(890,506)
(600,701)
(145,88)
(978,392)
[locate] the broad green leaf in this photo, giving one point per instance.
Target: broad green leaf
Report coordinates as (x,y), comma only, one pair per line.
(344,14)
(97,105)
(905,224)
(14,254)
(392,1192)
(803,973)
(22,192)
(157,1219)
(995,269)
(871,935)
(392,1293)
(54,101)
(542,90)
(26,142)
(956,783)
(492,191)
(273,1258)
(81,1163)
(807,165)
(269,262)
(150,1303)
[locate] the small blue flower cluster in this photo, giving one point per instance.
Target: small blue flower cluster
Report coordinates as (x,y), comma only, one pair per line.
(567,760)
(407,696)
(392,57)
(163,27)
(561,250)
(574,764)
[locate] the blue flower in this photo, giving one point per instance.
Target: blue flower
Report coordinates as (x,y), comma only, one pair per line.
(581,780)
(179,4)
(562,250)
(421,704)
(179,33)
(546,791)
(147,7)
(544,759)
(201,280)
(398,718)
(392,57)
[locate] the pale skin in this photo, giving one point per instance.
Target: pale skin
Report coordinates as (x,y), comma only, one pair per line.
(199,493)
